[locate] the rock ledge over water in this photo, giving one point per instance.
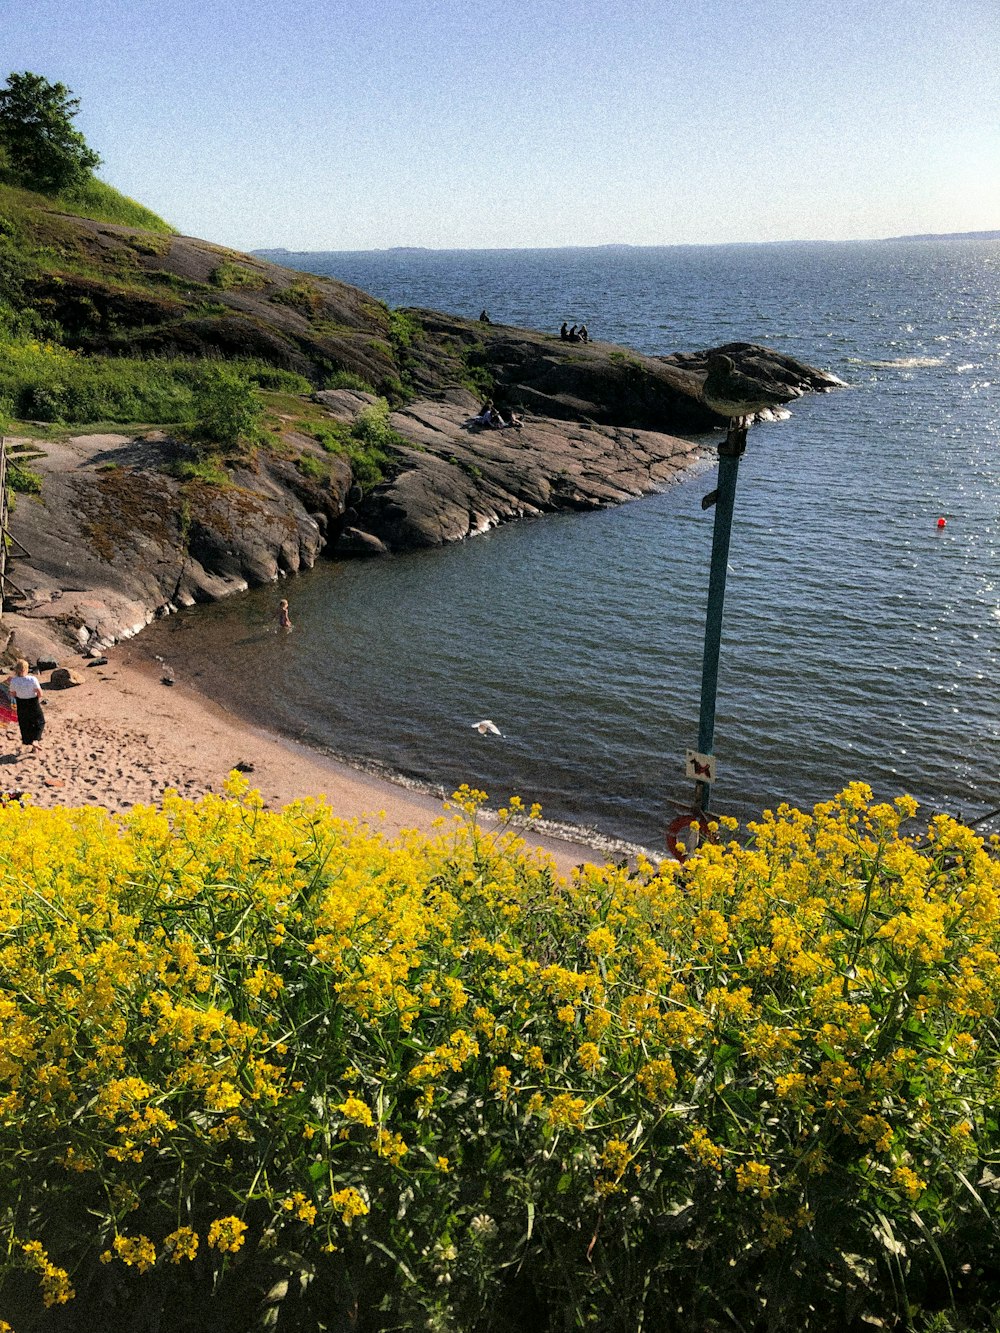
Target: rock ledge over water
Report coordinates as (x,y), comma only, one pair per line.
(116,540)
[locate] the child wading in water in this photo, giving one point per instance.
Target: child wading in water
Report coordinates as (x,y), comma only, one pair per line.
(284,619)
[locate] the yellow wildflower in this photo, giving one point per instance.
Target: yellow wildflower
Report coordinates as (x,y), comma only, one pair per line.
(227,1234)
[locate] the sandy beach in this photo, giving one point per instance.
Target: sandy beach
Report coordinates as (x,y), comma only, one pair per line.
(122,737)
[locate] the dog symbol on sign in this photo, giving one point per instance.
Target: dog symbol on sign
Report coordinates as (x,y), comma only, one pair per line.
(701,767)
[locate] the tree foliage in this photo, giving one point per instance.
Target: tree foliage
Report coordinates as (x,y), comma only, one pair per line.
(39,148)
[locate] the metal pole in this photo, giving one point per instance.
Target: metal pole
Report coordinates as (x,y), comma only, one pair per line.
(730,453)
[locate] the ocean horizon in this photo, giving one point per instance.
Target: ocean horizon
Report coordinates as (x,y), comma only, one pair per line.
(989,235)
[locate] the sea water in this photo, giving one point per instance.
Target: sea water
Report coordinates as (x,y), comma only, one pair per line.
(860,638)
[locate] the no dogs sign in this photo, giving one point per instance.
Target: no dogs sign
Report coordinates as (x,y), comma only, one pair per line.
(701,767)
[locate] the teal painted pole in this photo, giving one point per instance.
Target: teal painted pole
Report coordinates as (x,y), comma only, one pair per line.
(730,453)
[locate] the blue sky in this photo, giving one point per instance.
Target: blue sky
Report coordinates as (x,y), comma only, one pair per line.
(325,124)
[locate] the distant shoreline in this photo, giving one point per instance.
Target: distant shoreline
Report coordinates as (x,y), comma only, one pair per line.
(274,250)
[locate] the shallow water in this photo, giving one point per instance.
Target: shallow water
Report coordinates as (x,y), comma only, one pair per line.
(860,640)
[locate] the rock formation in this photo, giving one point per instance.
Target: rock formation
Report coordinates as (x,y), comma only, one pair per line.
(117,536)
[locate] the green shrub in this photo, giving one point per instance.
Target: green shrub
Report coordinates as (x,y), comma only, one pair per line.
(46,382)
(347,379)
(393,388)
(23,479)
(368,444)
(404,329)
(275,380)
(372,428)
(333,436)
(228,409)
(208,309)
(476,374)
(209,469)
(310,466)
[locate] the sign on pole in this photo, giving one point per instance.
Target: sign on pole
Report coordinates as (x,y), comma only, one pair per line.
(701,767)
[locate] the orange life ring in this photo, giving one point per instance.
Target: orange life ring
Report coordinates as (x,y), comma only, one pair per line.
(678,831)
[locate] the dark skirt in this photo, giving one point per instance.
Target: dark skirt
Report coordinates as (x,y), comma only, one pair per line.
(31,720)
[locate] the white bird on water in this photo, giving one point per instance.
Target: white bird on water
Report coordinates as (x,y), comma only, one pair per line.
(487,728)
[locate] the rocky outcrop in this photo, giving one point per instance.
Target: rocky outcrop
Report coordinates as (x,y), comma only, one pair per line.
(118,534)
(595,382)
(120,290)
(125,291)
(458,478)
(121,532)
(116,537)
(115,540)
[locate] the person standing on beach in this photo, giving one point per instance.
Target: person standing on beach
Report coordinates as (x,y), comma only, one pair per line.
(27,693)
(284,619)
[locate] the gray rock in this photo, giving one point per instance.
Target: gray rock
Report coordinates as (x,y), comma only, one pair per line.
(353,541)
(459,480)
(62,678)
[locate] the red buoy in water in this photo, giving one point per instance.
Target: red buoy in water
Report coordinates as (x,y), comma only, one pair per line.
(941,522)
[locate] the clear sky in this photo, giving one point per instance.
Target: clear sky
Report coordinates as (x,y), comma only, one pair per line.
(359,124)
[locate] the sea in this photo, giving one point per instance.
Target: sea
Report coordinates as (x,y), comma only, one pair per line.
(861,638)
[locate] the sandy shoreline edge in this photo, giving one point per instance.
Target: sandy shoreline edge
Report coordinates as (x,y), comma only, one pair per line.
(122,737)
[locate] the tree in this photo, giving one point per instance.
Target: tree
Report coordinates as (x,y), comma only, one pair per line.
(39,148)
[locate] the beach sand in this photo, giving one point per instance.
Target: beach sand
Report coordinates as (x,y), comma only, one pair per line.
(122,737)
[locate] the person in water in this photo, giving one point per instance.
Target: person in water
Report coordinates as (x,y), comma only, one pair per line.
(284,619)
(27,693)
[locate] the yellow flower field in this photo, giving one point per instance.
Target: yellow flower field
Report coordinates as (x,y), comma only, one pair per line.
(271,1070)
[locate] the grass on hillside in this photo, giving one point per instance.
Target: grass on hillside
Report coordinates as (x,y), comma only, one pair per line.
(95,200)
(53,389)
(41,239)
(369,443)
(41,381)
(103,203)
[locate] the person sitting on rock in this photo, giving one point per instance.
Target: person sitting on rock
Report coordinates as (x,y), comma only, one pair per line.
(487,415)
(564,331)
(484,317)
(584,335)
(573,336)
